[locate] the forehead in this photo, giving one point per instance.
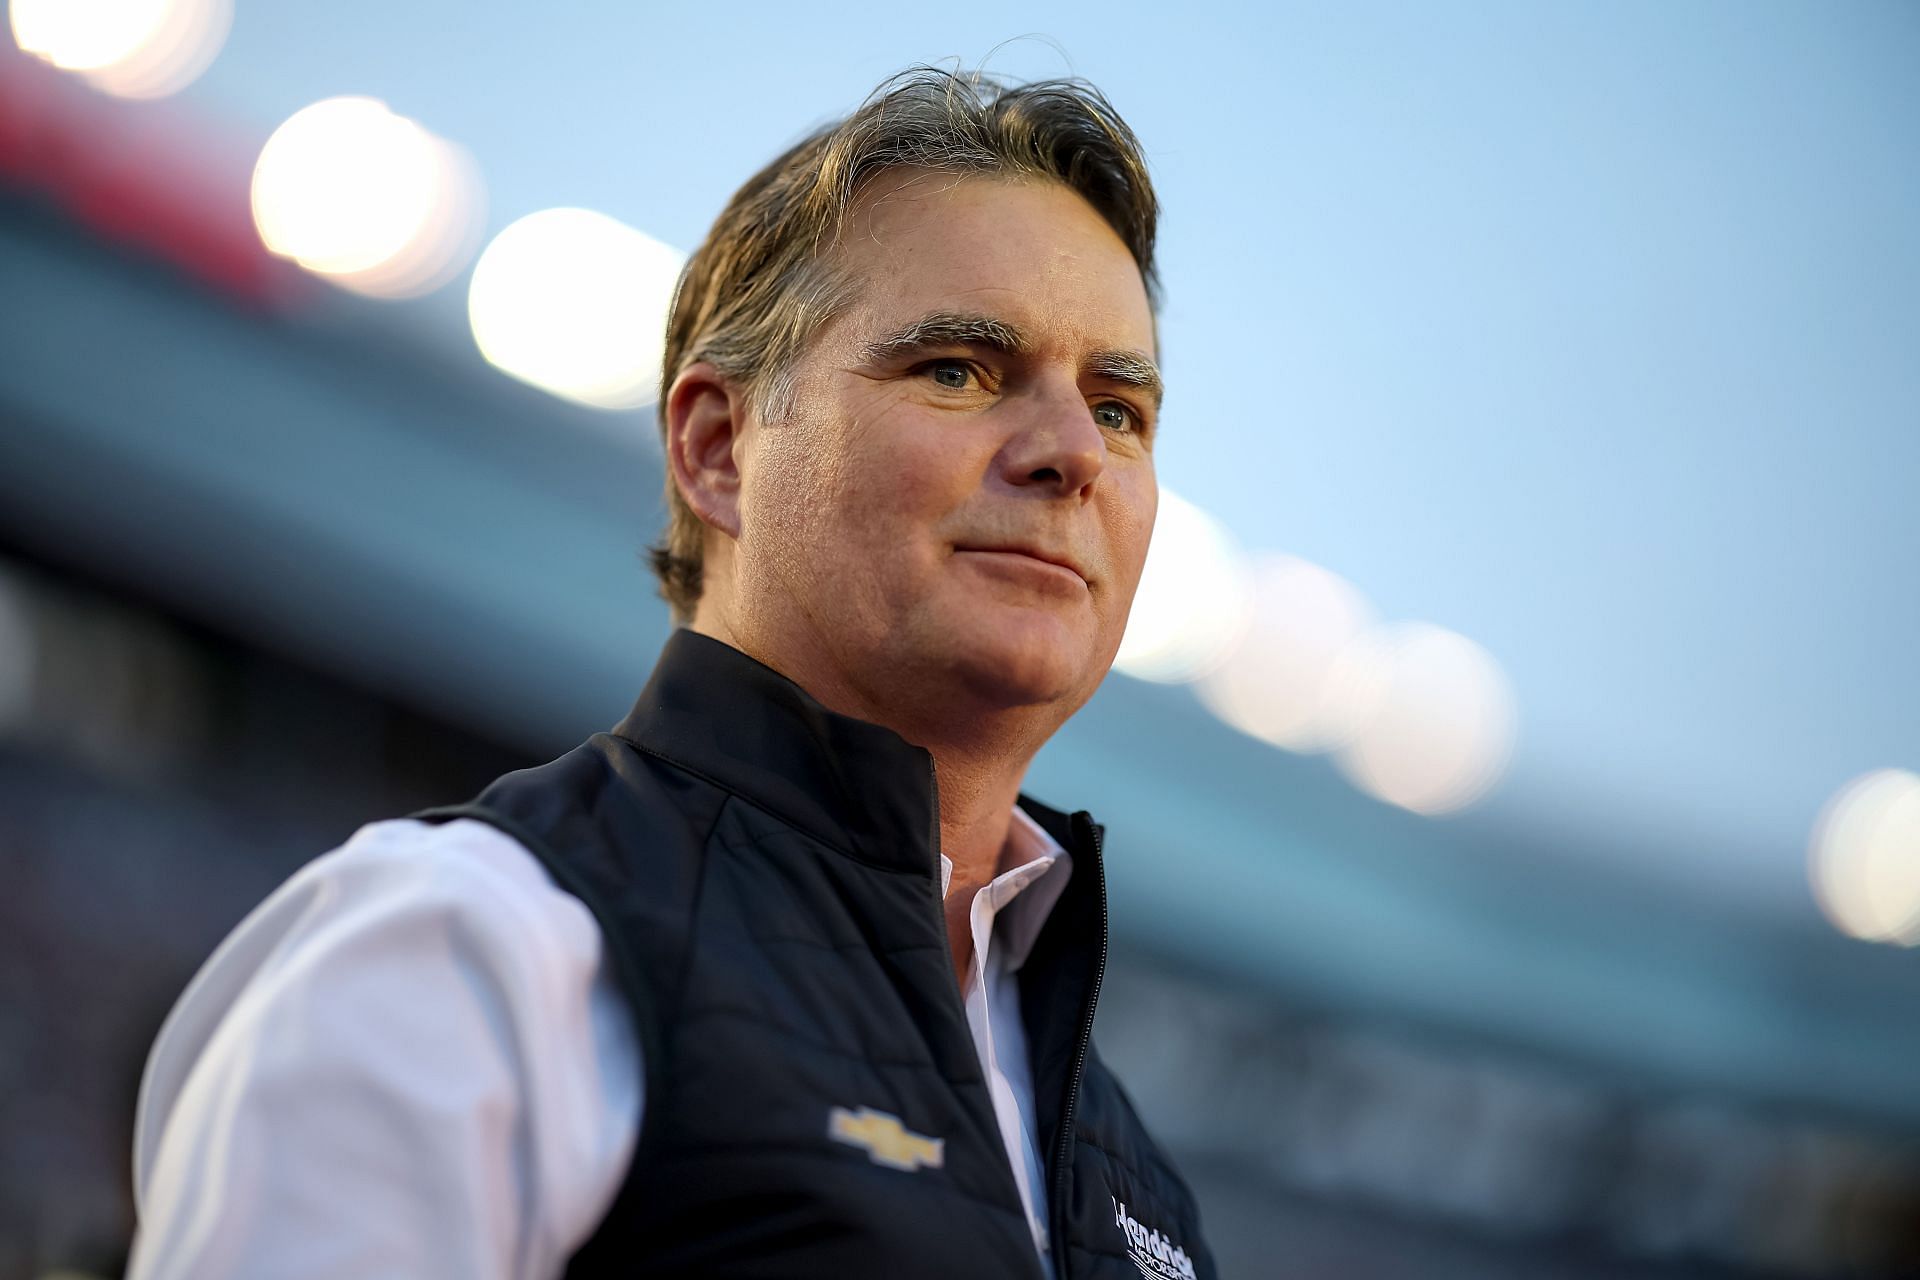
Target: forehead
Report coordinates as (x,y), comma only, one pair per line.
(1033,253)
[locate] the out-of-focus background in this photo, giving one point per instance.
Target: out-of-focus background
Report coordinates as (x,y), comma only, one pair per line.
(1515,832)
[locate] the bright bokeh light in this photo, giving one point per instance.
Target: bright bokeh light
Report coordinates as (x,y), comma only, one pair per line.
(1194,598)
(1865,857)
(1274,682)
(130,48)
(1422,717)
(576,303)
(367,198)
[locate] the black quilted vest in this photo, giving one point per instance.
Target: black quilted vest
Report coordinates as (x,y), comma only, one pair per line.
(766,875)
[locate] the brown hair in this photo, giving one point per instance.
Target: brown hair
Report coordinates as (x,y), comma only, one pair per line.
(758,289)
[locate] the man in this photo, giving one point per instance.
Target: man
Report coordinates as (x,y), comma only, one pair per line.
(782,977)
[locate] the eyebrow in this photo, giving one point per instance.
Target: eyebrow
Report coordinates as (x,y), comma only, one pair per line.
(1129,369)
(960,329)
(950,329)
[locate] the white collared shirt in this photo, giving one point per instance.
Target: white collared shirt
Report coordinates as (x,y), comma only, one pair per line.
(412,1059)
(1006,916)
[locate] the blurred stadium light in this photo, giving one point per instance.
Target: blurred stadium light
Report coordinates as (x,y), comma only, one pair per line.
(367,198)
(1191,609)
(1420,716)
(575,303)
(1866,857)
(129,48)
(1285,651)
(1272,685)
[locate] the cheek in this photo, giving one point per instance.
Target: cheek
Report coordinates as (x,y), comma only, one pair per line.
(786,508)
(846,521)
(1131,521)
(906,479)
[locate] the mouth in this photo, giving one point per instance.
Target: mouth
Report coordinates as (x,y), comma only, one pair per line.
(1050,562)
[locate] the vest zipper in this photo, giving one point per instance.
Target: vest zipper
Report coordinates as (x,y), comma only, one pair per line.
(1063,1144)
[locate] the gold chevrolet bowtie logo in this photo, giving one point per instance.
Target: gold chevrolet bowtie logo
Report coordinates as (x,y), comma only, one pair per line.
(887,1141)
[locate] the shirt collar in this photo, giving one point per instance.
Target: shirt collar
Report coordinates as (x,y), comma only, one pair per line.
(1026,892)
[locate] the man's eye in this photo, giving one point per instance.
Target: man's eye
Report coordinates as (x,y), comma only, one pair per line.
(952,374)
(1115,417)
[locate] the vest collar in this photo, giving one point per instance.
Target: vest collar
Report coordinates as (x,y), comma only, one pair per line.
(861,788)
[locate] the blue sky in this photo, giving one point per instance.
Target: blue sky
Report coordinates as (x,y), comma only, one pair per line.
(1589,330)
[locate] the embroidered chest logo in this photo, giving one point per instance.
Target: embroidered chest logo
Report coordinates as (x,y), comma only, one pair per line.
(886,1140)
(1157,1257)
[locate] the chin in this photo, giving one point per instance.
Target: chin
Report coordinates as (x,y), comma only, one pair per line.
(1024,661)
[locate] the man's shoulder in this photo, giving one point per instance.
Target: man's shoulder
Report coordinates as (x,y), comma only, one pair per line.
(619,830)
(413,852)
(414,961)
(610,794)
(606,763)
(401,872)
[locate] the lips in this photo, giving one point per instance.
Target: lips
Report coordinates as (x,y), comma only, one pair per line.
(1057,558)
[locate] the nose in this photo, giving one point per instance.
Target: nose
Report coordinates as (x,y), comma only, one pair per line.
(1057,445)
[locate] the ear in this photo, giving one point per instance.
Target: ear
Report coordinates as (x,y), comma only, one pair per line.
(704,417)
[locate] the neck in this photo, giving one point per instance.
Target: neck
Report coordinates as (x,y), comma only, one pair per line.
(977,796)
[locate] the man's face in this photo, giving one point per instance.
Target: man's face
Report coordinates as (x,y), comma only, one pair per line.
(955,511)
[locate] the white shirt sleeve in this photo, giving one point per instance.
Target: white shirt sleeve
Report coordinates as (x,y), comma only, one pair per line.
(410,1061)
